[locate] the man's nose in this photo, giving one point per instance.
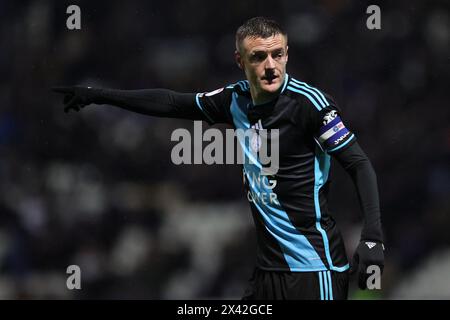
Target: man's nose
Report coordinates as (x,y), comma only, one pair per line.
(270,63)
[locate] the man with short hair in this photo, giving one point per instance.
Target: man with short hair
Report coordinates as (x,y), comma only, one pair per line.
(300,252)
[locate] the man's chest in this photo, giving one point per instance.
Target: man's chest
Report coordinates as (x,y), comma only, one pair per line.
(292,139)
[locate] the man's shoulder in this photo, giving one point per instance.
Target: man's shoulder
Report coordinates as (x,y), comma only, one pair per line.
(307,95)
(241,87)
(241,84)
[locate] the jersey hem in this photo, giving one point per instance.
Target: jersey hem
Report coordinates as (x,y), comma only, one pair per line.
(304,269)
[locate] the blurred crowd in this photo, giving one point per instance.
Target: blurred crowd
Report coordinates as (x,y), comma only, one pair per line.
(98,189)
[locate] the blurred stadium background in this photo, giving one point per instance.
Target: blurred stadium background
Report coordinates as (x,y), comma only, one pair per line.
(98,188)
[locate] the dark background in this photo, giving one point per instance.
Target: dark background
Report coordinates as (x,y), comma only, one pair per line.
(98,188)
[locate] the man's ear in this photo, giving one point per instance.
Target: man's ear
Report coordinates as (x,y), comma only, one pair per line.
(287,56)
(238,59)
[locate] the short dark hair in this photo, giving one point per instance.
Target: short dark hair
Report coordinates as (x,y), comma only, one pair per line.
(258,27)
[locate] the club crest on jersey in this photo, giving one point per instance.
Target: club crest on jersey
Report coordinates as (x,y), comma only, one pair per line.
(329,116)
(255,141)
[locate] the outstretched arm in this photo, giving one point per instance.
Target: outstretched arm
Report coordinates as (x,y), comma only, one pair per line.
(153,102)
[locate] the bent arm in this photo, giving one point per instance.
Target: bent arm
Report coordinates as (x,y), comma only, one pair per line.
(358,166)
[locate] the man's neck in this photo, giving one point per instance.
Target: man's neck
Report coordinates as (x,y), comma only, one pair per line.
(262,97)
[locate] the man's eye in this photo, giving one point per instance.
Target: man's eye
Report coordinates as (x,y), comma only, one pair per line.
(259,57)
(278,55)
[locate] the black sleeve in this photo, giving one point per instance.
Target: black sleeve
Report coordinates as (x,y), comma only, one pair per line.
(327,127)
(153,102)
(355,162)
(215,105)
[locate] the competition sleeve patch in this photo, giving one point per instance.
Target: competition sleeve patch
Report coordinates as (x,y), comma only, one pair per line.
(333,135)
(206,101)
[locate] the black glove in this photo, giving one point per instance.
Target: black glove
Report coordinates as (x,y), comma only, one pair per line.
(77,97)
(367,253)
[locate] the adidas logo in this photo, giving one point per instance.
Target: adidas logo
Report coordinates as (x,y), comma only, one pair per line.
(371,244)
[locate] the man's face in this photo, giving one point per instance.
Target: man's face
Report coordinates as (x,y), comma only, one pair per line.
(264,62)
